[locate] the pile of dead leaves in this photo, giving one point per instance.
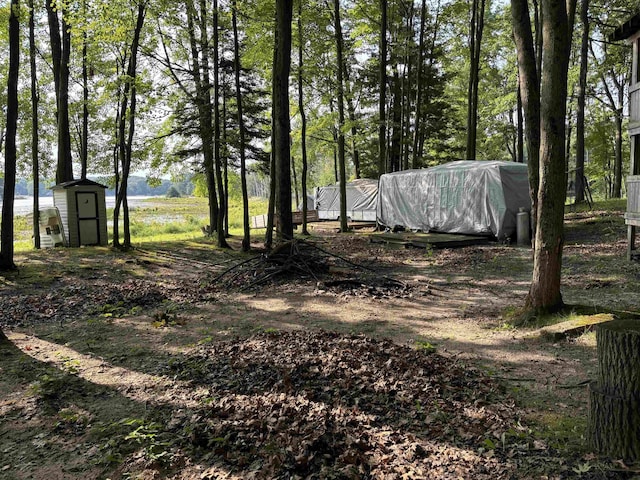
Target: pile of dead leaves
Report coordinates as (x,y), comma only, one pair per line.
(323,405)
(70,299)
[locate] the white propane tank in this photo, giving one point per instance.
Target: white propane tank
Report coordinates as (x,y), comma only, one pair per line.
(522,227)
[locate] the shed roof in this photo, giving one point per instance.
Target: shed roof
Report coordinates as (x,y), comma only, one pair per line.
(627,29)
(78,183)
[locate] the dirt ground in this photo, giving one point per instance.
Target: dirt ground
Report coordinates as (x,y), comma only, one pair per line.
(368,361)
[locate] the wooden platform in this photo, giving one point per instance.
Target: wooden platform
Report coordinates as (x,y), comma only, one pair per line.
(428,240)
(576,327)
(334,226)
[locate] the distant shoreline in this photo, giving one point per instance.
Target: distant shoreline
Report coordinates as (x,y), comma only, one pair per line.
(23,205)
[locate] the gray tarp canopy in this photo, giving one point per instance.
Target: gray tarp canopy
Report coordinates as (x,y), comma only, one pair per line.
(469,197)
(362,195)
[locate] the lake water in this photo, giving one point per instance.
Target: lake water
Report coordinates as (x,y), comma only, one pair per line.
(24,205)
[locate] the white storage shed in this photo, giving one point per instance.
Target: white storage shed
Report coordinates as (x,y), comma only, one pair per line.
(83,211)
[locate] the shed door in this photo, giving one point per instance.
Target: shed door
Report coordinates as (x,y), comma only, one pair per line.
(88,222)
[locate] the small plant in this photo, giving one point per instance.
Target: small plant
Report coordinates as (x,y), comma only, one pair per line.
(505,327)
(582,468)
(131,434)
(109,311)
(424,346)
(69,365)
(206,340)
(70,419)
(49,386)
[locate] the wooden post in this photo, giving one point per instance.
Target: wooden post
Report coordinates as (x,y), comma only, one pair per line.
(614,411)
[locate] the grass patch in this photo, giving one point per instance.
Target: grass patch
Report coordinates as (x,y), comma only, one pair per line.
(164,220)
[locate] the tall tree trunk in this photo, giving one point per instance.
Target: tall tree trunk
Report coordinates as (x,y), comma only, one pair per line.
(569,131)
(60,38)
(10,154)
(35,100)
(246,238)
(407,89)
(476,28)
(382,117)
(582,88)
(351,111)
(617,166)
(303,122)
(520,127)
(416,123)
(396,111)
(225,157)
(268,237)
(528,75)
(544,294)
(341,145)
(203,102)
(295,181)
(221,241)
(282,126)
(334,134)
(538,16)
(127,130)
(84,134)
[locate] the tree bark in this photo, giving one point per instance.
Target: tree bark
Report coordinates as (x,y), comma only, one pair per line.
(418,116)
(84,134)
(582,94)
(126,132)
(221,240)
(246,239)
(476,28)
(351,112)
(528,75)
(60,53)
(225,156)
(396,122)
(35,100)
(614,413)
(10,155)
(303,124)
(382,118)
(544,294)
(617,165)
(519,128)
(282,126)
(341,144)
(203,104)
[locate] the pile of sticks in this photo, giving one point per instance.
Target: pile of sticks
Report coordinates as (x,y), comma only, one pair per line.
(296,259)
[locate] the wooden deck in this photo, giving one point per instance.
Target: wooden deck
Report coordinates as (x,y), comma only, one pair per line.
(428,240)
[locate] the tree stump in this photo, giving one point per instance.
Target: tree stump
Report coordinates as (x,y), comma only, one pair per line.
(614,412)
